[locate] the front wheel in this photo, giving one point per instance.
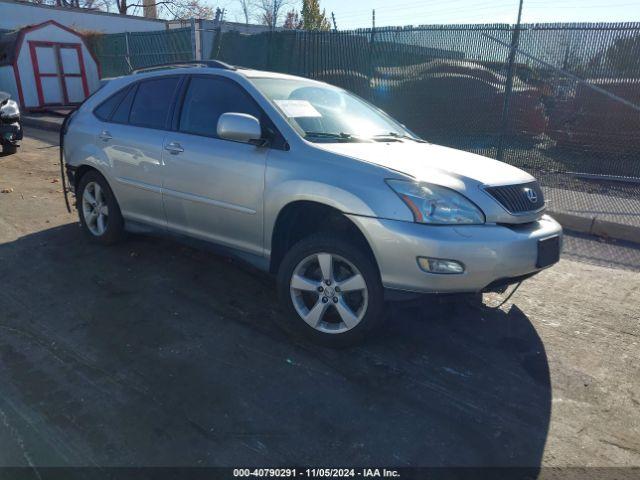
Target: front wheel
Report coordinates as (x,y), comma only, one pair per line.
(331,290)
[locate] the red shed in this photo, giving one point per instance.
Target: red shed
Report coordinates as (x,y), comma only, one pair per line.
(47,64)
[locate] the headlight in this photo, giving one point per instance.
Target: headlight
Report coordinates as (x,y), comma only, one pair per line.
(10,109)
(434,204)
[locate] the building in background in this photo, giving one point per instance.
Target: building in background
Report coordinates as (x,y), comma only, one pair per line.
(15,14)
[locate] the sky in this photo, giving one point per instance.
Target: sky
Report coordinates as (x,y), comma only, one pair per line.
(357,13)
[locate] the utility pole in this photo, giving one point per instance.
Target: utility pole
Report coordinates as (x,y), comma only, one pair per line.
(333,18)
(509,85)
(373,19)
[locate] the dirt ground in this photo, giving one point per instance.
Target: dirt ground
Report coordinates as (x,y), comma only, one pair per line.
(153,353)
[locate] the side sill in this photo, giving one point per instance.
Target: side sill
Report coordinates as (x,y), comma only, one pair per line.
(254,261)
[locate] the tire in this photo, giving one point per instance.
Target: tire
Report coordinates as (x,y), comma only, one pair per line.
(111,228)
(9,149)
(343,317)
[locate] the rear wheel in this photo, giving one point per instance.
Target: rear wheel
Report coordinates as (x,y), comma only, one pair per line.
(98,209)
(331,290)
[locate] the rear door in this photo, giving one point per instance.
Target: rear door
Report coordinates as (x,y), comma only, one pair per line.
(132,140)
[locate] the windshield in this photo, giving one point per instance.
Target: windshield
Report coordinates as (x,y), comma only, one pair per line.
(322,113)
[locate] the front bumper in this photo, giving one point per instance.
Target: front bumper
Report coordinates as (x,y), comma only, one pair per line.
(491,254)
(10,133)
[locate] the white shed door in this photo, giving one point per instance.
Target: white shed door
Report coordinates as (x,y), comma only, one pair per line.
(59,73)
(72,74)
(48,73)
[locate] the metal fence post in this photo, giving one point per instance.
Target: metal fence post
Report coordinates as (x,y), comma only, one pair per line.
(509,84)
(508,89)
(371,53)
(128,51)
(194,41)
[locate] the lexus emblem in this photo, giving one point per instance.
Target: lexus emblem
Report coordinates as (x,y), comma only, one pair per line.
(531,195)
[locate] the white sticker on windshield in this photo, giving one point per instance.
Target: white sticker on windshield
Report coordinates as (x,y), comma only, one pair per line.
(297,108)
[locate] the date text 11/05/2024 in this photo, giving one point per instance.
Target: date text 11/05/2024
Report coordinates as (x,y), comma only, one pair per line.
(316,472)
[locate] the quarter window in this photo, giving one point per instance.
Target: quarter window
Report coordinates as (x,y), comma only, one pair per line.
(208,98)
(153,101)
(104,110)
(121,115)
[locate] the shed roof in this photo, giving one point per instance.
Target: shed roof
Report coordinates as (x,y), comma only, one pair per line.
(9,40)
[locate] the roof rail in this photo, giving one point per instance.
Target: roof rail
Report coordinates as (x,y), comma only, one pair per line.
(189,63)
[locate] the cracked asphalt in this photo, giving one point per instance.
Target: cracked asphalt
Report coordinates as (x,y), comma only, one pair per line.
(151,353)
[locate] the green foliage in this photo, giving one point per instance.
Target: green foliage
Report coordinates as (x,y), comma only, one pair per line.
(312,18)
(292,21)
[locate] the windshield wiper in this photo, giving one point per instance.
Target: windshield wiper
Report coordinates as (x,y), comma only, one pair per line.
(342,136)
(398,136)
(328,135)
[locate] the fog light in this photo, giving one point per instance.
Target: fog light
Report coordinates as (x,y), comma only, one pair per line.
(439,265)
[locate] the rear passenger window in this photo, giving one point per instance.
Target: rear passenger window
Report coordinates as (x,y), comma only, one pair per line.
(121,115)
(207,99)
(104,110)
(153,100)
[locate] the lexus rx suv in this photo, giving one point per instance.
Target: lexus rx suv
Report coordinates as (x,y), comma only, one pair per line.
(342,203)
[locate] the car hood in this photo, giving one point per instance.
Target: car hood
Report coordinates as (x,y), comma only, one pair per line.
(432,163)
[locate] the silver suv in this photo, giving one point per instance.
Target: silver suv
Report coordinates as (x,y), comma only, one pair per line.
(307,181)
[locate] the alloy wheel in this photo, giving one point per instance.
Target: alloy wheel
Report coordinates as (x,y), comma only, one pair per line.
(95,209)
(329,293)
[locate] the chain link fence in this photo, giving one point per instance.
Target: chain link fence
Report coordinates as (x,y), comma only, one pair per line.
(565,105)
(120,53)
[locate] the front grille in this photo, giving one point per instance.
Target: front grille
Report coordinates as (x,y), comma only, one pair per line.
(526,197)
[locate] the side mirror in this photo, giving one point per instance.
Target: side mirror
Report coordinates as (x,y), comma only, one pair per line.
(240,127)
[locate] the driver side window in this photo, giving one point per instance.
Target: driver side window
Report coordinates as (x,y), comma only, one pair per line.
(207,98)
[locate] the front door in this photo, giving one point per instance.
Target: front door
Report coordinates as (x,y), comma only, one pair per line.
(213,188)
(59,74)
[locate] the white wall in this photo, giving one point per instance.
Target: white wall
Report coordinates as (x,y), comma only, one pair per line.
(8,82)
(15,15)
(50,33)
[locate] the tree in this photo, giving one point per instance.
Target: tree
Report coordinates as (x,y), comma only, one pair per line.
(246,7)
(292,21)
(268,11)
(312,18)
(171,9)
(183,10)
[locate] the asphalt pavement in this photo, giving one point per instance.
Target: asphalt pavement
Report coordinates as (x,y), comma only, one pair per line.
(153,353)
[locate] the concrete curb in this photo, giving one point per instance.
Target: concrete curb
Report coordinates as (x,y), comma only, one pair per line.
(597,226)
(569,221)
(43,123)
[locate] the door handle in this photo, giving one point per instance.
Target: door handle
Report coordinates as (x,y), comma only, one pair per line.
(105,136)
(174,148)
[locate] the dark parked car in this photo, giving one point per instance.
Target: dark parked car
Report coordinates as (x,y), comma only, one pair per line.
(10,126)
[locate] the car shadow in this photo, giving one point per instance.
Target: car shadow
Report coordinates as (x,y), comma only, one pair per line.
(153,353)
